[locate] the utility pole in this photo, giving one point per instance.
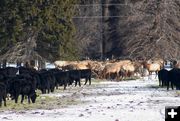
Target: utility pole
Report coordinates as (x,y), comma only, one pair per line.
(102,30)
(104,13)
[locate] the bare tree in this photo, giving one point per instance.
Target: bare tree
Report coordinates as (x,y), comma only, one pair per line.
(131,28)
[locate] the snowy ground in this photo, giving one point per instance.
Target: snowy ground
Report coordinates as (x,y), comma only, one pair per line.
(139,100)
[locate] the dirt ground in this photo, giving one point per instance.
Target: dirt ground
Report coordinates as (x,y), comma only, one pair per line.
(136,100)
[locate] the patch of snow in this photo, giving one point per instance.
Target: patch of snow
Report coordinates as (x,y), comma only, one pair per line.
(138,100)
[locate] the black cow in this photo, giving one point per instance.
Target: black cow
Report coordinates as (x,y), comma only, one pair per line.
(53,73)
(174,77)
(3,93)
(32,74)
(47,81)
(163,77)
(24,70)
(75,75)
(14,88)
(62,78)
(20,86)
(27,89)
(9,71)
(171,77)
(86,73)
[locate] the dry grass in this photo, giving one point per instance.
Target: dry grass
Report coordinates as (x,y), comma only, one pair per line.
(49,101)
(42,102)
(178,93)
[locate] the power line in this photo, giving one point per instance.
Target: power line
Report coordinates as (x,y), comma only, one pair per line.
(99,17)
(99,4)
(114,4)
(87,17)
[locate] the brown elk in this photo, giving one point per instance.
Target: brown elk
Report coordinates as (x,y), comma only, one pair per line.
(152,67)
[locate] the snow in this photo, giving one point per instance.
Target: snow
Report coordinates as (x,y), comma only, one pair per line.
(137,100)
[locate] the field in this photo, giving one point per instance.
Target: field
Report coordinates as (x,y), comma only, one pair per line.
(135,100)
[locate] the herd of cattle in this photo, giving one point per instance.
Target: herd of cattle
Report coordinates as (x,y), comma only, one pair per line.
(25,81)
(169,78)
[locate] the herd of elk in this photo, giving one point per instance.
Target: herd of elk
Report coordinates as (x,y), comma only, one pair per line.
(114,69)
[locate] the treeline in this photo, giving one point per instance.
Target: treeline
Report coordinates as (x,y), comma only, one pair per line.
(31,29)
(97,29)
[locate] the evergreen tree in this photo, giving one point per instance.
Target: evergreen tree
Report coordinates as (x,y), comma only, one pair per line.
(48,23)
